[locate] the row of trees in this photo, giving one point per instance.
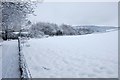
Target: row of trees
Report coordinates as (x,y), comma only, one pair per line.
(41,28)
(14,17)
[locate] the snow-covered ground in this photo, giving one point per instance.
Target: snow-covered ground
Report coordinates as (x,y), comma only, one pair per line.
(0,58)
(10,59)
(94,55)
(83,56)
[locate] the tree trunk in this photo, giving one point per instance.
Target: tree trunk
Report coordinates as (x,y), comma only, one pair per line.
(6,33)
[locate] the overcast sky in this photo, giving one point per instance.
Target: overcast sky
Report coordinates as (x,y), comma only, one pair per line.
(81,13)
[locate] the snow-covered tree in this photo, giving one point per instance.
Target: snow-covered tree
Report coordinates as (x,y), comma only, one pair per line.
(67,29)
(0,17)
(14,15)
(44,28)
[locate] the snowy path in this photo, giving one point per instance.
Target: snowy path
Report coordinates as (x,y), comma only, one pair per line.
(0,59)
(84,56)
(10,60)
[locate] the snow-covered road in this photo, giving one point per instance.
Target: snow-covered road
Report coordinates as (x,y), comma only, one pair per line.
(10,60)
(84,56)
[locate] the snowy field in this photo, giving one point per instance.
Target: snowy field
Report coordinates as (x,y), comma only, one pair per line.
(83,56)
(94,55)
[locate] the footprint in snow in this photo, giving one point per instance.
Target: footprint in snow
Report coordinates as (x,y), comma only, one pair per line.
(45,68)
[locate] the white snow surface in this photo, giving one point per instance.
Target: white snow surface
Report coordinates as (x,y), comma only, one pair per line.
(10,59)
(0,59)
(83,56)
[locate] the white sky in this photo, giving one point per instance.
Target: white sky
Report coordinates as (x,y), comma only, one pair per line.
(77,13)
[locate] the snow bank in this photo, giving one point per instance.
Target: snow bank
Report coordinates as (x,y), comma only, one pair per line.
(84,56)
(22,62)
